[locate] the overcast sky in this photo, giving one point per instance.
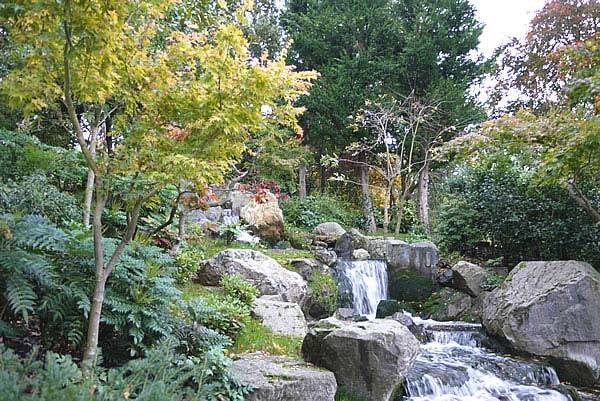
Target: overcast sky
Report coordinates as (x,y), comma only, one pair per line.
(504,19)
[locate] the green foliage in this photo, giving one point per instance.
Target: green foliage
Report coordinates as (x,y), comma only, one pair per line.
(48,273)
(314,210)
(324,291)
(456,228)
(491,281)
(298,237)
(162,375)
(218,313)
(25,245)
(36,195)
(499,209)
(256,337)
(24,155)
(343,395)
(187,261)
(235,287)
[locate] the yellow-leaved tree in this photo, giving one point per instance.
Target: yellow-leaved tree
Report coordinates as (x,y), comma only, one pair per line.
(180,108)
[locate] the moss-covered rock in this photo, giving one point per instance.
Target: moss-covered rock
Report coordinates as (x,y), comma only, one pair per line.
(408,286)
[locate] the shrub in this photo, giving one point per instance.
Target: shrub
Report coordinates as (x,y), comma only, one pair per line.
(187,261)
(313,210)
(237,288)
(162,375)
(324,291)
(219,314)
(37,195)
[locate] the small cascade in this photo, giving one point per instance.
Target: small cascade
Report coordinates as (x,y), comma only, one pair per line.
(453,366)
(369,282)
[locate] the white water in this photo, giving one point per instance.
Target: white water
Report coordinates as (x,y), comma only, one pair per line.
(453,366)
(369,280)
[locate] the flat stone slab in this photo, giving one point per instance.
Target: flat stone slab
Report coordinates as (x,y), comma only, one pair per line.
(281,317)
(280,378)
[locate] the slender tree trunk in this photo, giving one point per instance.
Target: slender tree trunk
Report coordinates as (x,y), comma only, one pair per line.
(583,201)
(424,195)
(400,212)
(367,204)
(386,207)
(302,181)
(91,344)
(409,187)
(89,185)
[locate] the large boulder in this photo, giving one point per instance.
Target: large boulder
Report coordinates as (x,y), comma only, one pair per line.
(468,277)
(551,309)
(306,267)
(264,216)
(325,256)
(279,378)
(369,359)
(239,199)
(421,257)
(329,229)
(281,317)
(262,271)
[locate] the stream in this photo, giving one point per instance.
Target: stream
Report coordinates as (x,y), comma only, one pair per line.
(454,365)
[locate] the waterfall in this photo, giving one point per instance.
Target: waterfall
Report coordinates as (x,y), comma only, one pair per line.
(369,282)
(455,366)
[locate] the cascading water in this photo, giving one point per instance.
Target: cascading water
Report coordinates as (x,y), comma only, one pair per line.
(369,282)
(453,366)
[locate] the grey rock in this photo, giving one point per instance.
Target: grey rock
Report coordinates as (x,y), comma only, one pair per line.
(409,323)
(421,257)
(279,378)
(306,267)
(325,256)
(344,313)
(239,199)
(551,309)
(445,277)
(369,359)
(329,229)
(214,213)
(262,271)
(467,277)
(360,254)
(424,257)
(281,317)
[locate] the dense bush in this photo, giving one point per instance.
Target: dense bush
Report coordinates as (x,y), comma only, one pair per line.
(24,155)
(162,375)
(235,287)
(314,210)
(187,261)
(48,273)
(324,291)
(36,195)
(499,210)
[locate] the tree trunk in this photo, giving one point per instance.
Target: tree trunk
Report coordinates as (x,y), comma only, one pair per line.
(89,185)
(89,194)
(91,344)
(424,196)
(302,181)
(367,204)
(583,201)
(386,207)
(400,212)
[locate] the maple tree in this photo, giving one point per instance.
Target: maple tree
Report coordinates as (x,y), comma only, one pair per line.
(179,111)
(535,66)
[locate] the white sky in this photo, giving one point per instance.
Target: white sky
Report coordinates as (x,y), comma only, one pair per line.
(504,19)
